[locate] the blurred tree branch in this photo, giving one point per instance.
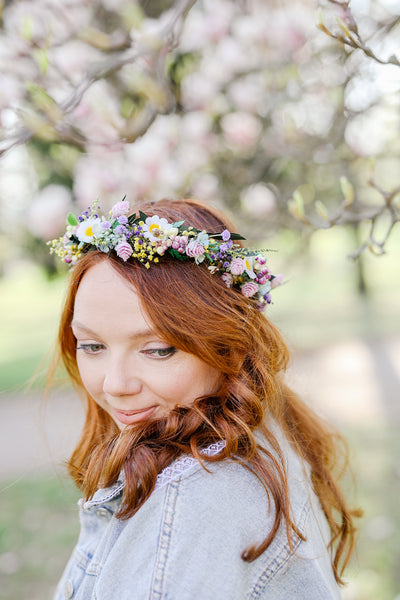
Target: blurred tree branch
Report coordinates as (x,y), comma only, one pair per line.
(350,35)
(245,103)
(48,119)
(389,206)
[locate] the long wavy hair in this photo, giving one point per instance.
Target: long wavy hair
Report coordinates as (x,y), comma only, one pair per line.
(195,312)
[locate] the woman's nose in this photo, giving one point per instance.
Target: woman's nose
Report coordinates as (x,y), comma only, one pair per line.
(121,380)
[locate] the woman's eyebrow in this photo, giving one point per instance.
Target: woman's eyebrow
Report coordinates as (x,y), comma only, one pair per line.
(141,334)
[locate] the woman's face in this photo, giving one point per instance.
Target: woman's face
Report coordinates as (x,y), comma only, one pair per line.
(126,367)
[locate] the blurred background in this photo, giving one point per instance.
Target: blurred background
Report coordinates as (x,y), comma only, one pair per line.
(285,115)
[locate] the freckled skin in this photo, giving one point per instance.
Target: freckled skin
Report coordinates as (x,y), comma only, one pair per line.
(126,368)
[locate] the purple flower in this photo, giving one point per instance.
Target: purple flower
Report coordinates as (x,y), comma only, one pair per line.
(106,225)
(262,280)
(121,229)
(226,235)
(224,247)
(123,220)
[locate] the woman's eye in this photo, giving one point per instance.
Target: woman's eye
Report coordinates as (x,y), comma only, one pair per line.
(90,348)
(160,352)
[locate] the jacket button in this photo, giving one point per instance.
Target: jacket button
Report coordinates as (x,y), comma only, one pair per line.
(104,514)
(68,589)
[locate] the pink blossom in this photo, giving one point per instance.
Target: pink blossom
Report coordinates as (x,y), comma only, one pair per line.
(121,208)
(277,280)
(227,279)
(194,248)
(258,200)
(261,259)
(46,214)
(123,250)
(249,289)
(237,266)
(241,129)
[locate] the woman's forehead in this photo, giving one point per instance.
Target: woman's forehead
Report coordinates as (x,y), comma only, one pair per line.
(104,295)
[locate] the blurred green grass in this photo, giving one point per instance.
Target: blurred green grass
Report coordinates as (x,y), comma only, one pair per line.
(29,310)
(374,455)
(38,527)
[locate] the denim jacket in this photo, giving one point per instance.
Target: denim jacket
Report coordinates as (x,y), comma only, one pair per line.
(186,541)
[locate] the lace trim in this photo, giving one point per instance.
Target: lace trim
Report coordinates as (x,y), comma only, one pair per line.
(184,464)
(170,473)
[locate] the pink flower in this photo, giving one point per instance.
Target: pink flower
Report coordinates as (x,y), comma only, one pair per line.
(277,280)
(194,248)
(227,279)
(123,250)
(121,208)
(249,289)
(237,266)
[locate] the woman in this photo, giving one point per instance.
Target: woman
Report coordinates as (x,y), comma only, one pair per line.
(203,475)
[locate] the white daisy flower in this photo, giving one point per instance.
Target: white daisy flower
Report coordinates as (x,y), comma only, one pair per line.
(249,260)
(87,230)
(154,227)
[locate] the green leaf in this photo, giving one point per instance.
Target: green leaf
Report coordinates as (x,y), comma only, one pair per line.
(26,28)
(133,219)
(41,57)
(299,203)
(343,27)
(42,100)
(176,254)
(347,190)
(178,224)
(321,210)
(72,220)
(142,216)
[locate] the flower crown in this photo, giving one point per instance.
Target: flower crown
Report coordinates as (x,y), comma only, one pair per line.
(147,239)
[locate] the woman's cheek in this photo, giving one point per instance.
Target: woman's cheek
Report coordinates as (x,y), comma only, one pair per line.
(88,375)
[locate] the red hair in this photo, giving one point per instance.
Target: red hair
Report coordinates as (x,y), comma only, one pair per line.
(195,312)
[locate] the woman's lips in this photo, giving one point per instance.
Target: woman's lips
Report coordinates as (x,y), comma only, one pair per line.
(127,417)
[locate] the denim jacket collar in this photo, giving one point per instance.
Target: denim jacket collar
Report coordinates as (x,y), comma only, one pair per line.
(173,471)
